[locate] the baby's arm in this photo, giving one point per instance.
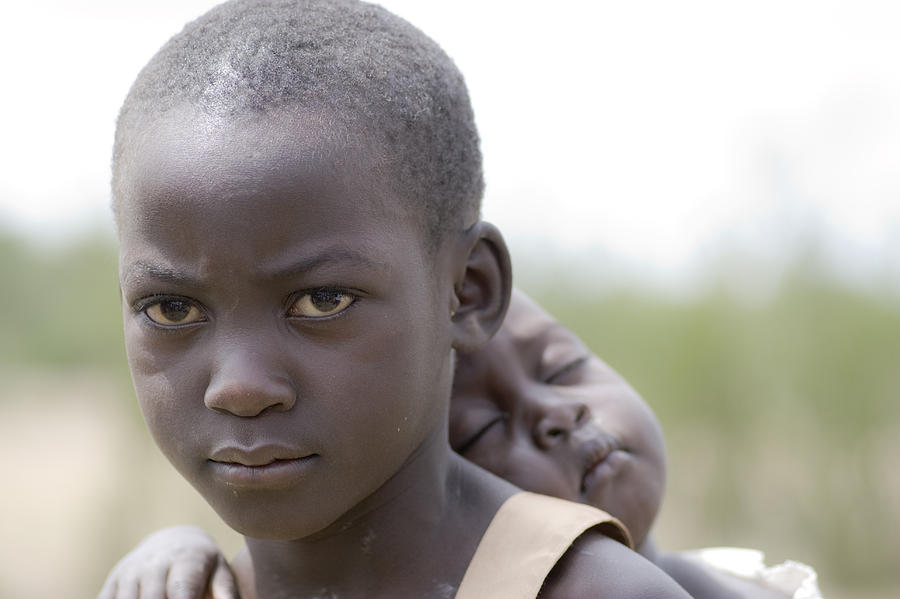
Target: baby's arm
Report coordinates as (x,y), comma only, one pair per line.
(182,562)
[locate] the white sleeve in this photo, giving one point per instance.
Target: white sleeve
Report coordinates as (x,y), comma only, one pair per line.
(794,579)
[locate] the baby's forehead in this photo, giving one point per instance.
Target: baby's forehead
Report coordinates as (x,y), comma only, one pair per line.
(534,331)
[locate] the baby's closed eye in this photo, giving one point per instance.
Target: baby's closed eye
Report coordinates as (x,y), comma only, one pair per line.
(566,373)
(479,431)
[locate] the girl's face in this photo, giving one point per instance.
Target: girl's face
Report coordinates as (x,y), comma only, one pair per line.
(537,408)
(284,332)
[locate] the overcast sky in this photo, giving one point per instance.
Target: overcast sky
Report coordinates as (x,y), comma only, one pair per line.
(648,131)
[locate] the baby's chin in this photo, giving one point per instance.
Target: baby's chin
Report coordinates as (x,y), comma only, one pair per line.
(633,496)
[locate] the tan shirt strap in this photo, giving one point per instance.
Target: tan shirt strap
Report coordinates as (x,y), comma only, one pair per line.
(527,536)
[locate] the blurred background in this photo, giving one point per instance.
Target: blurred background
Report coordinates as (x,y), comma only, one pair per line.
(707,192)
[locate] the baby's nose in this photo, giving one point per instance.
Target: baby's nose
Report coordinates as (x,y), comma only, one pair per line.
(557,421)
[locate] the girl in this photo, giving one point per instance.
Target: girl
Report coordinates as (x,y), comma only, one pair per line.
(536,407)
(296,187)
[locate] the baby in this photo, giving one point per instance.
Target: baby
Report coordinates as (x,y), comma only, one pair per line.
(536,407)
(296,188)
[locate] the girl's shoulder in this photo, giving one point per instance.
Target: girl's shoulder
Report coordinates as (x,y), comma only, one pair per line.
(540,545)
(597,567)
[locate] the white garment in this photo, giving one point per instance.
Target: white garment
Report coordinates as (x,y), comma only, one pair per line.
(795,580)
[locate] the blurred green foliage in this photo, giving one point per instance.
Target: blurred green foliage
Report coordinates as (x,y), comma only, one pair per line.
(59,305)
(795,399)
(816,342)
(782,414)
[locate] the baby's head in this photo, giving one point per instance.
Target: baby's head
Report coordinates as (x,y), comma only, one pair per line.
(296,188)
(537,408)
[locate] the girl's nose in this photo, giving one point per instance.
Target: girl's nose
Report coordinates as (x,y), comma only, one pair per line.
(557,420)
(245,384)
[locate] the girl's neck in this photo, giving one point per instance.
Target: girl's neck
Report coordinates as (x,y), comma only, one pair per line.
(413,537)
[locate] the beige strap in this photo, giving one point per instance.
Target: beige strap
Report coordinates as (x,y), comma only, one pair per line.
(527,536)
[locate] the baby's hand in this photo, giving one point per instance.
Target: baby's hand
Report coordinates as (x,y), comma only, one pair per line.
(182,562)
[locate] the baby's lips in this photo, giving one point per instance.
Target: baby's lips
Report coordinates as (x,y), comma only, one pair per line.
(594,452)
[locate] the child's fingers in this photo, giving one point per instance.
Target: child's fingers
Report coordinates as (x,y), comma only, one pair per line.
(127,590)
(122,583)
(223,585)
(139,581)
(188,578)
(152,587)
(109,588)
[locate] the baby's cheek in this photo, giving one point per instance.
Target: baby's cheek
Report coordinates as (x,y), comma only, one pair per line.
(537,472)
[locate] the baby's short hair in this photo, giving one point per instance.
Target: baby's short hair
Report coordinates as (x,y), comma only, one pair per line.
(364,67)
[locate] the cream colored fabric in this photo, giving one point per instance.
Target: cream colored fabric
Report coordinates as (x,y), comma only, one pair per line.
(523,542)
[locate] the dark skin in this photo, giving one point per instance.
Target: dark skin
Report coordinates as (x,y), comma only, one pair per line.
(538,408)
(291,343)
(535,406)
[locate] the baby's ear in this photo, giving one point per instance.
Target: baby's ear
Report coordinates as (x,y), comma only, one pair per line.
(482,287)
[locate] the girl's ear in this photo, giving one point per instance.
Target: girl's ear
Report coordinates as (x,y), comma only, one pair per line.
(481,287)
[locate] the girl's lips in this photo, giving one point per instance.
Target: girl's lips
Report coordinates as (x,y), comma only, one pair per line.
(263,466)
(278,473)
(259,455)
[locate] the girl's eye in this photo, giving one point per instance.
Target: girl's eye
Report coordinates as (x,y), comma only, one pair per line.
(320,303)
(174,312)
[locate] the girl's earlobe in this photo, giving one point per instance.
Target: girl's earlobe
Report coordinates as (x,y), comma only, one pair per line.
(482,287)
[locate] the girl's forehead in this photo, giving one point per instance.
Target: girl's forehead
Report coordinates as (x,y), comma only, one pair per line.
(210,158)
(243,193)
(208,152)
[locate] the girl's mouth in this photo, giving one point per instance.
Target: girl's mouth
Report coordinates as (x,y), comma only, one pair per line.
(269,466)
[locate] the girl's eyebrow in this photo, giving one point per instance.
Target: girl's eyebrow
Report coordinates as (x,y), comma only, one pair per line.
(480,433)
(566,369)
(327,257)
(139,270)
(338,256)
